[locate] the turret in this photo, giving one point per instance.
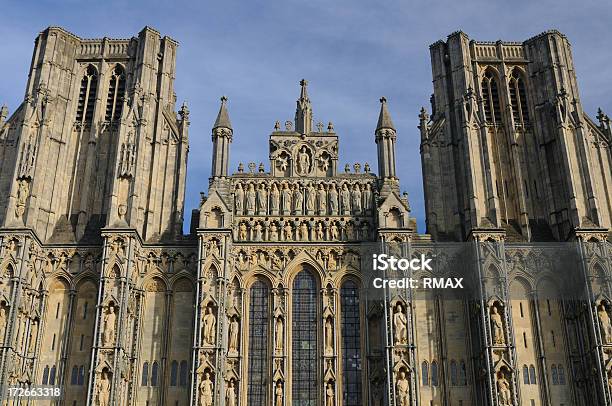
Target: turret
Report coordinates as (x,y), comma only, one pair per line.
(385,142)
(222,133)
(303,112)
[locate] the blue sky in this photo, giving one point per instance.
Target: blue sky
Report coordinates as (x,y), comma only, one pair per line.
(352,53)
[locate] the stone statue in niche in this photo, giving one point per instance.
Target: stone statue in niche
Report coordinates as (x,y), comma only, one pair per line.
(322,199)
(333,231)
(329,395)
(110,323)
(206,391)
(503,390)
(213,248)
(329,336)
(311,199)
(278,394)
(274,199)
(233,336)
(303,231)
(400,324)
(288,231)
(297,200)
(319,231)
(209,326)
(262,199)
(332,264)
(239,199)
(367,197)
(497,326)
(365,231)
(403,389)
(350,231)
(33,334)
(273,232)
(356,199)
(303,164)
(250,199)
(278,334)
(230,394)
(242,232)
(258,232)
(604,323)
(286,199)
(23,189)
(333,199)
(103,388)
(3,319)
(345,199)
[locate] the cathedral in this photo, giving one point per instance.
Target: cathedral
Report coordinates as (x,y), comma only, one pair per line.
(268,300)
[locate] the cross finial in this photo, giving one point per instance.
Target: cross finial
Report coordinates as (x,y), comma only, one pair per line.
(303,83)
(383,99)
(223,99)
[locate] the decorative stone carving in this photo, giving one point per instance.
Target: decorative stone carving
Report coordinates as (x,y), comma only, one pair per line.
(23,190)
(209,322)
(402,388)
(329,336)
(230,394)
(333,199)
(497,326)
(274,199)
(278,335)
(297,200)
(322,199)
(345,200)
(206,390)
(288,231)
(333,232)
(356,200)
(262,199)
(250,199)
(320,235)
(504,392)
(242,232)
(278,394)
(303,162)
(303,231)
(286,199)
(110,323)
(239,199)
(103,387)
(3,319)
(233,336)
(604,323)
(273,232)
(329,395)
(311,199)
(400,325)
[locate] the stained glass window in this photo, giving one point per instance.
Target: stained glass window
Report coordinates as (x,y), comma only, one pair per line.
(304,340)
(351,344)
(259,326)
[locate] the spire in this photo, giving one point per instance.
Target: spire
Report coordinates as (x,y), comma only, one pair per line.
(303,112)
(384,118)
(223,117)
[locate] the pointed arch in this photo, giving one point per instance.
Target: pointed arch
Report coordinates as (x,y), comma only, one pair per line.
(489,87)
(518,97)
(115,95)
(87,96)
(259,338)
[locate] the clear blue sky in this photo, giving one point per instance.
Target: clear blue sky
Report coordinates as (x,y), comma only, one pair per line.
(351,51)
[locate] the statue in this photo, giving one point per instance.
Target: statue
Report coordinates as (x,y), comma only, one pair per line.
(329,336)
(333,199)
(33,334)
(239,198)
(273,232)
(497,326)
(322,200)
(403,390)
(304,231)
(206,391)
(274,199)
(503,390)
(331,261)
(258,232)
(242,232)
(278,334)
(278,394)
(22,194)
(365,231)
(356,200)
(400,323)
(303,162)
(329,395)
(311,199)
(250,199)
(345,200)
(230,394)
(288,231)
(3,320)
(350,231)
(210,323)
(367,197)
(233,335)
(103,389)
(110,319)
(320,234)
(605,324)
(333,232)
(297,200)
(262,199)
(286,199)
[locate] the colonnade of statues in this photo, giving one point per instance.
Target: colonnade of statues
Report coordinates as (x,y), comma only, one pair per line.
(302,230)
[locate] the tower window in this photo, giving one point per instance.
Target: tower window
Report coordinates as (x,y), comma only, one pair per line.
(116,93)
(173,373)
(554,375)
(183,374)
(351,346)
(453,370)
(490,97)
(259,311)
(434,373)
(525,375)
(561,375)
(145,374)
(532,375)
(154,373)
(87,96)
(518,98)
(425,373)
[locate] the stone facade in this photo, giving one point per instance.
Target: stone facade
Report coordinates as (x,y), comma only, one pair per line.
(265,302)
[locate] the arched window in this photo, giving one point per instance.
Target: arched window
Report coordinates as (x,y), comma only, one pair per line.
(518,98)
(116,93)
(525,375)
(553,373)
(45,377)
(462,374)
(173,373)
(52,375)
(424,373)
(453,371)
(490,98)
(532,375)
(183,374)
(561,375)
(351,344)
(154,371)
(87,96)
(434,373)
(74,376)
(82,375)
(304,340)
(145,374)
(259,314)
